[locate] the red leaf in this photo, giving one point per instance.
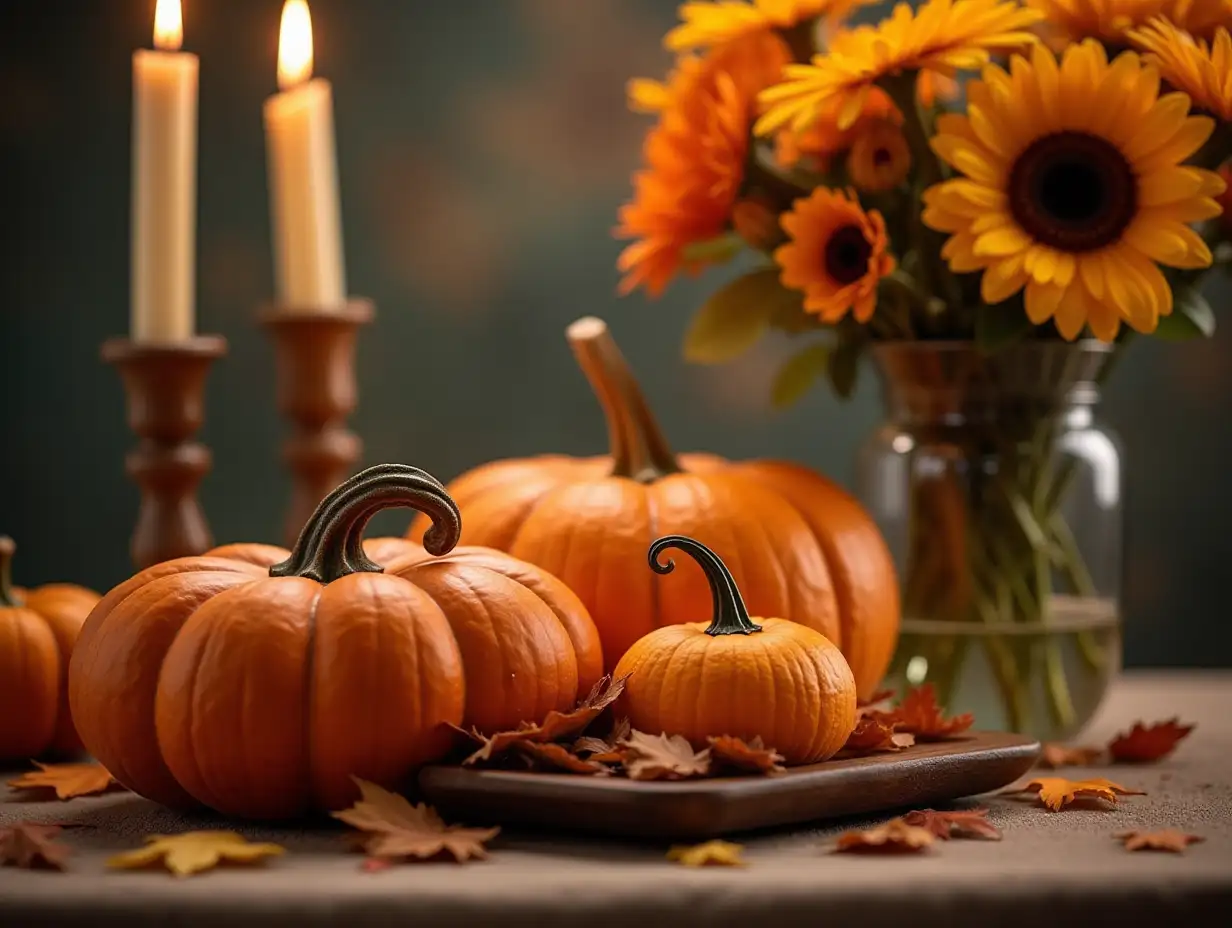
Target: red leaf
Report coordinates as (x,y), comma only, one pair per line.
(1143,744)
(920,715)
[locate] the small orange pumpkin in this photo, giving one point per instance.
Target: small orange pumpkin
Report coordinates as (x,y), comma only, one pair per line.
(771,679)
(799,545)
(260,687)
(38,629)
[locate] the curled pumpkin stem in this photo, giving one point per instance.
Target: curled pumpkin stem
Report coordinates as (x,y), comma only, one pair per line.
(331,543)
(731,616)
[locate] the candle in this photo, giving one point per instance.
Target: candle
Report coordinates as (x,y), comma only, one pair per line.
(303,174)
(164,205)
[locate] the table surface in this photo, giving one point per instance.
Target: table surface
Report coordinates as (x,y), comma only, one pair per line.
(1051,868)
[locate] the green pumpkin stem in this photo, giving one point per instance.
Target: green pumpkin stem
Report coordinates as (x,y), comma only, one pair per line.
(731,616)
(330,545)
(8,596)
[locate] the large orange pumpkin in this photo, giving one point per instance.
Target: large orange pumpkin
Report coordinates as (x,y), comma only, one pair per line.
(38,629)
(261,690)
(798,545)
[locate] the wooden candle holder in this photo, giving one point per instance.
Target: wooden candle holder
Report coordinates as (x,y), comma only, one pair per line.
(165,385)
(316,390)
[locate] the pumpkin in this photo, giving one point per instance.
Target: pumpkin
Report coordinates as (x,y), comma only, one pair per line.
(258,682)
(772,679)
(38,629)
(800,547)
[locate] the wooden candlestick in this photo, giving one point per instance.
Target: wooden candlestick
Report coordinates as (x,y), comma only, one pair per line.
(165,385)
(315,361)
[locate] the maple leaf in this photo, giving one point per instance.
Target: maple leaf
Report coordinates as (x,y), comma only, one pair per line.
(1060,755)
(558,757)
(969,823)
(1145,743)
(919,714)
(1168,839)
(68,781)
(662,757)
(710,854)
(872,735)
(729,751)
(1058,792)
(29,845)
(894,837)
(194,852)
(394,829)
(604,750)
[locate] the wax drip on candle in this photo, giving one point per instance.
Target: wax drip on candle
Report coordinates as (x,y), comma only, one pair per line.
(295,45)
(168,25)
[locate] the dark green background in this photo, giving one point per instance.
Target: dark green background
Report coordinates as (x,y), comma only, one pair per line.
(484,149)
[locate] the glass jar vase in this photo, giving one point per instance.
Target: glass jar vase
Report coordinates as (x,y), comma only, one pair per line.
(1000,495)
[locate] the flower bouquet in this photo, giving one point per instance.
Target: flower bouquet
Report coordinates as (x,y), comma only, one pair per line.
(988,197)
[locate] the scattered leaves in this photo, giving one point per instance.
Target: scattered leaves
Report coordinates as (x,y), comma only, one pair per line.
(194,852)
(1061,755)
(894,837)
(1057,792)
(729,751)
(32,846)
(710,854)
(872,735)
(67,781)
(394,829)
(1146,743)
(919,714)
(604,750)
(662,757)
(968,823)
(558,757)
(1168,839)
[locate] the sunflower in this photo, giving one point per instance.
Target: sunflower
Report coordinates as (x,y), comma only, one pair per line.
(1074,190)
(1202,70)
(1110,20)
(879,158)
(836,256)
(942,36)
(710,23)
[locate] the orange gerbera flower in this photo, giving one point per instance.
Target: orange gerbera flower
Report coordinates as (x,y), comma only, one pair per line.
(710,23)
(824,139)
(880,157)
(1202,70)
(836,256)
(1109,20)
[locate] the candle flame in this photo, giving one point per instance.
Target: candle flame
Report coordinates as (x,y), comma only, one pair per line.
(295,45)
(168,25)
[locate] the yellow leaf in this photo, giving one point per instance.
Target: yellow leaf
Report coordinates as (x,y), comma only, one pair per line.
(710,854)
(733,319)
(1057,792)
(194,852)
(67,780)
(798,374)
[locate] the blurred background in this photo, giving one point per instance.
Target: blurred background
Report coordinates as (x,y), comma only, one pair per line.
(484,149)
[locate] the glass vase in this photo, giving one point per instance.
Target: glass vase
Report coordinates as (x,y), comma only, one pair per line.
(1000,496)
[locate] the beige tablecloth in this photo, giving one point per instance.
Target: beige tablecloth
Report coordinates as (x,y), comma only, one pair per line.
(1050,870)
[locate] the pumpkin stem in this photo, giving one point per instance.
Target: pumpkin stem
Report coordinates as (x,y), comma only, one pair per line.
(639,450)
(8,596)
(330,545)
(731,616)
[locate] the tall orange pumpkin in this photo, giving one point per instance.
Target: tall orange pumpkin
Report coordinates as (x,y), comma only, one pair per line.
(797,544)
(258,682)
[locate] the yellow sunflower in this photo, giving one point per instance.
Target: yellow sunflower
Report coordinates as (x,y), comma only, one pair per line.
(1074,188)
(1202,70)
(708,23)
(942,36)
(879,158)
(1110,20)
(836,256)
(823,139)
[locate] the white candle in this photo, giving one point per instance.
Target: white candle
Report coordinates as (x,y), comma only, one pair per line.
(164,206)
(303,174)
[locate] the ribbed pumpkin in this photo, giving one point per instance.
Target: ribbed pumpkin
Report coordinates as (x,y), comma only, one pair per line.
(261,690)
(799,546)
(771,679)
(38,629)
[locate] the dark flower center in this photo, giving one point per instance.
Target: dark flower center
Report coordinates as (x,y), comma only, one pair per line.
(882,157)
(1073,191)
(847,255)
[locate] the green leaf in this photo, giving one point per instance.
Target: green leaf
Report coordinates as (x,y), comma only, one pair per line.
(798,374)
(1000,325)
(1192,317)
(844,367)
(734,318)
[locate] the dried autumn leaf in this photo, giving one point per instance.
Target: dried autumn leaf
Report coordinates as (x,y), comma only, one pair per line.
(1057,792)
(1060,755)
(969,823)
(604,750)
(894,837)
(394,829)
(559,757)
(710,854)
(1145,743)
(729,751)
(662,757)
(195,852)
(31,846)
(920,715)
(1167,839)
(872,735)
(68,781)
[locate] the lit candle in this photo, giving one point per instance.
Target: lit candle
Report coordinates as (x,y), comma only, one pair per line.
(303,174)
(164,203)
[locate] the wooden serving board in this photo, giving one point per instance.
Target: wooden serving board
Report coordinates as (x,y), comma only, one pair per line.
(699,809)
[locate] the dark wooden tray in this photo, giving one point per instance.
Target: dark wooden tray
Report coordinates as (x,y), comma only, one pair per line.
(698,809)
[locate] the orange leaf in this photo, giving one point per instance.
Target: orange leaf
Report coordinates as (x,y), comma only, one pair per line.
(969,823)
(710,854)
(1060,755)
(1168,839)
(29,846)
(871,735)
(68,781)
(1142,743)
(558,757)
(920,715)
(647,757)
(729,751)
(604,750)
(894,837)
(1058,792)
